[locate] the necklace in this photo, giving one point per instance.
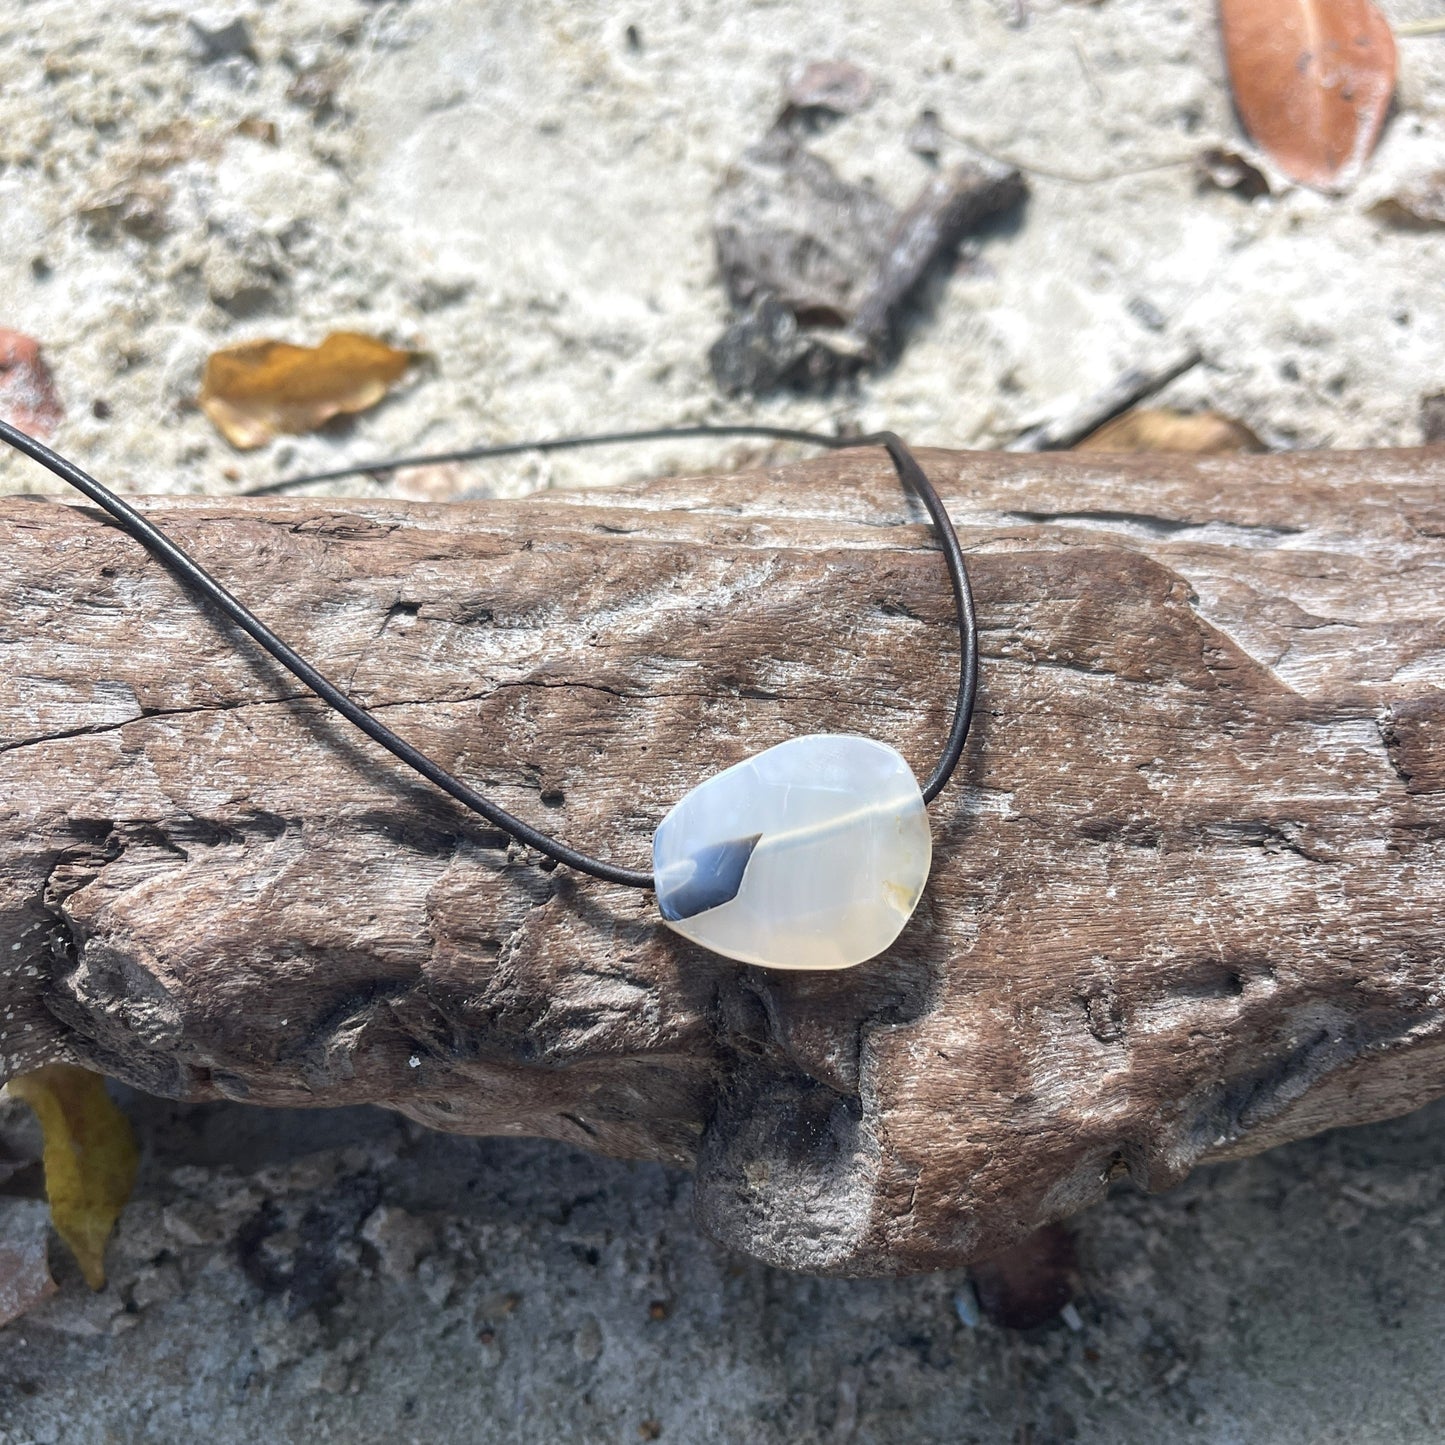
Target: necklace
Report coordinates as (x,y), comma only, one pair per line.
(812,854)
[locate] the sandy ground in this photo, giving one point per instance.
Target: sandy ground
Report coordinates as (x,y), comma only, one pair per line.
(526,194)
(524,191)
(462,1290)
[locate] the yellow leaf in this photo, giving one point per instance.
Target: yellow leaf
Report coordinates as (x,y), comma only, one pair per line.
(254,391)
(1157,429)
(90,1158)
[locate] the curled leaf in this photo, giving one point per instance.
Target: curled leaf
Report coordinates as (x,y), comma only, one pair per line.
(1312,81)
(1158,429)
(257,390)
(27,389)
(90,1158)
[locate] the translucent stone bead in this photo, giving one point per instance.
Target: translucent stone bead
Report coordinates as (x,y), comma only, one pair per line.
(811,855)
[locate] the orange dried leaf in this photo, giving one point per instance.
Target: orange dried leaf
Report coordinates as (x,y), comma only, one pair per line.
(90,1158)
(1157,429)
(254,391)
(1312,81)
(27,389)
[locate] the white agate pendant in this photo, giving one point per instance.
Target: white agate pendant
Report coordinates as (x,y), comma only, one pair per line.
(811,855)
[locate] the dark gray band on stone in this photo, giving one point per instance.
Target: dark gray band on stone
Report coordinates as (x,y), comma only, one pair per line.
(717,874)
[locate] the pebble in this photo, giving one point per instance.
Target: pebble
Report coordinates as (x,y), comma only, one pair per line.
(811,855)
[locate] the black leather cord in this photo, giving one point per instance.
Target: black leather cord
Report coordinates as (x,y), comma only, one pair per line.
(190,572)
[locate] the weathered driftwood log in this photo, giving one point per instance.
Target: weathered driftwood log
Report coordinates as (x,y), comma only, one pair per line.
(1187,899)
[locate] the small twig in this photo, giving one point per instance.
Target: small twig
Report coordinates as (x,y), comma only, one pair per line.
(487,451)
(1128,390)
(949,206)
(1411,28)
(1072,177)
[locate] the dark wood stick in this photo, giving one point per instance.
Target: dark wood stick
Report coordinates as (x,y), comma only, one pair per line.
(1128,389)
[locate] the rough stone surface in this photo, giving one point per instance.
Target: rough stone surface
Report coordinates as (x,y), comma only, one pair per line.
(1184,903)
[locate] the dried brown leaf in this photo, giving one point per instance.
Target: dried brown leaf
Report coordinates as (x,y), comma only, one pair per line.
(27,389)
(90,1158)
(1312,81)
(1158,429)
(171,145)
(257,390)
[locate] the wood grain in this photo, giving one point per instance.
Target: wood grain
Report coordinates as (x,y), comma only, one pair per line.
(1186,899)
